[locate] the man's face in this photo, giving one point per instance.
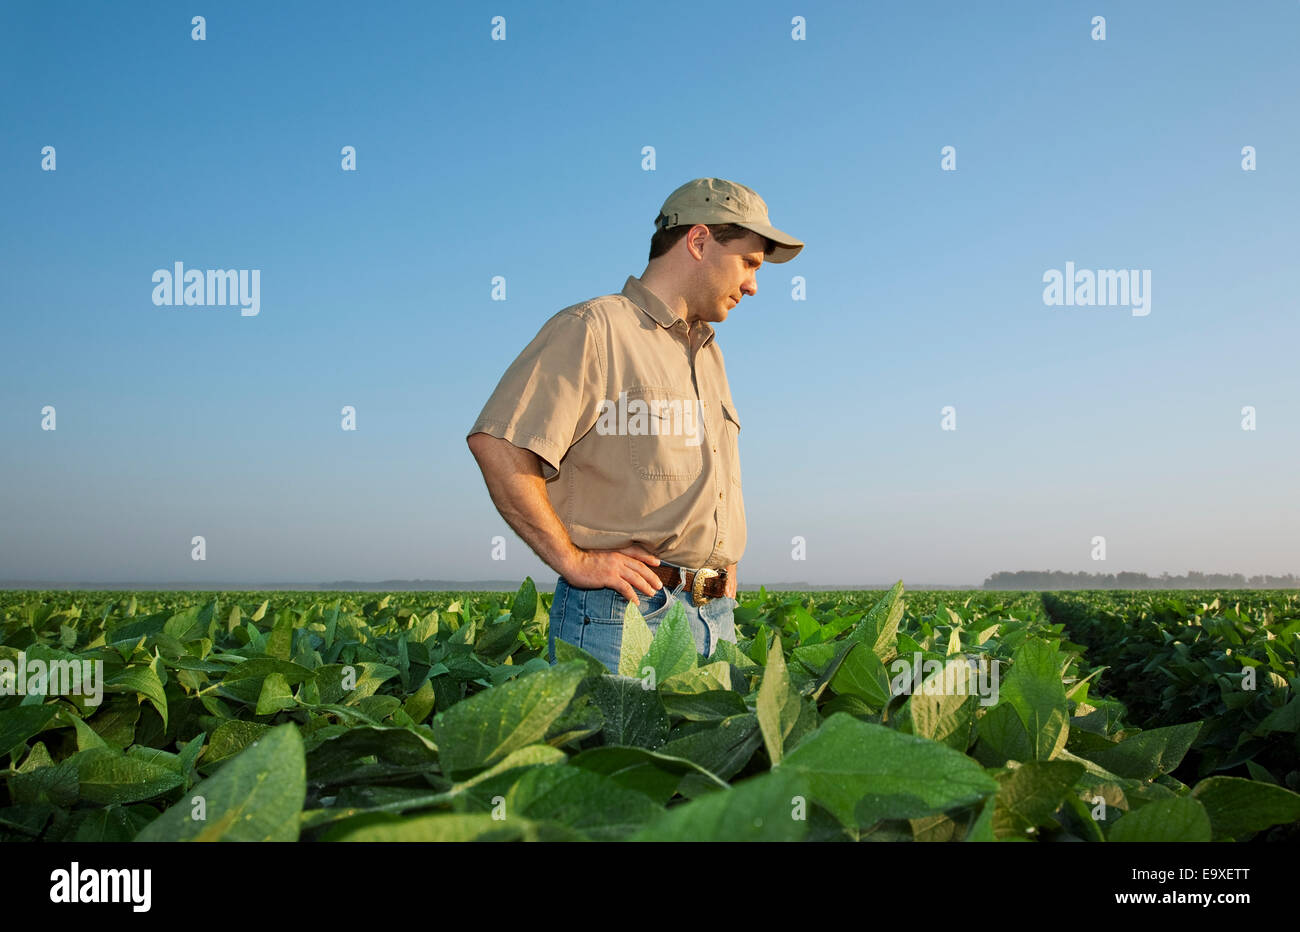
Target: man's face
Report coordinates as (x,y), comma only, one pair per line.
(726,275)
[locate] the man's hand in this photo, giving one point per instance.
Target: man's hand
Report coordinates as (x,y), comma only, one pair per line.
(625,571)
(731,581)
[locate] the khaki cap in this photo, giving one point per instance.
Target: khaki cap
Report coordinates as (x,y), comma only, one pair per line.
(714,200)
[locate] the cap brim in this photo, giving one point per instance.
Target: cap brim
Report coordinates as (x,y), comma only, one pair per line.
(786,248)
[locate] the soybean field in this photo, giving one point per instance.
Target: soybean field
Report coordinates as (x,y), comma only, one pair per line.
(838,716)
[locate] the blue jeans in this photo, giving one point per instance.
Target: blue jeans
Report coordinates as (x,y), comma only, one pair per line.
(593,619)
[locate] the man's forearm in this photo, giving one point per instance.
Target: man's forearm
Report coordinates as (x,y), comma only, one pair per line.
(514,480)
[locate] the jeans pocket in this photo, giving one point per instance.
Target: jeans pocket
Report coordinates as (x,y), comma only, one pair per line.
(653,608)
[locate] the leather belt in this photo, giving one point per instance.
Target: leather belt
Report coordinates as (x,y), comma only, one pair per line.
(703,585)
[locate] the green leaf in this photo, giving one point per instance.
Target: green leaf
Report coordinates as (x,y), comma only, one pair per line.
(279,642)
(143,681)
(862,674)
(108,776)
(19,724)
(291,673)
(190,754)
(672,649)
(816,658)
(1147,754)
(55,784)
(778,703)
(729,652)
(633,714)
(711,706)
(1285,719)
(192,623)
(1260,773)
(256,796)
(1238,807)
(116,721)
(879,627)
(564,652)
(652,773)
(87,737)
(864,772)
(532,756)
(982,828)
(636,641)
(585,801)
(481,730)
(229,738)
(1179,818)
(371,677)
(1002,737)
(1029,795)
(275,695)
(943,707)
(156,756)
(708,678)
(114,824)
(497,641)
(524,607)
(420,703)
(768,807)
(1035,691)
(401,749)
(451,826)
(722,749)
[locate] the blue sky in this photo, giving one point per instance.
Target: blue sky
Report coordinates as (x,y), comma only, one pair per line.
(522,158)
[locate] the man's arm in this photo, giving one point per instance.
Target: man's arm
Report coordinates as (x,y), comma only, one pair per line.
(514,480)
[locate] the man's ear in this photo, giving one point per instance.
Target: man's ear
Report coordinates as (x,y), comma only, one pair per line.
(699,239)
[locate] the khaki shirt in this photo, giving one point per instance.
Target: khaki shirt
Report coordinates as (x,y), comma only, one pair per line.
(635,427)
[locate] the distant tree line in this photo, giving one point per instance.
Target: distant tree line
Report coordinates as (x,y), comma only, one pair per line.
(1058,579)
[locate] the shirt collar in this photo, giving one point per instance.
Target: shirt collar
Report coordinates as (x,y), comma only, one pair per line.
(654,307)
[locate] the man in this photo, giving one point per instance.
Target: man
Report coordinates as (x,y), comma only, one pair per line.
(611,443)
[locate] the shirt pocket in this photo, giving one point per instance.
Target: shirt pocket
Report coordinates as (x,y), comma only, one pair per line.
(664,434)
(731,429)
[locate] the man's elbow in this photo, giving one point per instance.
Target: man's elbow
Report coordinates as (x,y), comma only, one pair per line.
(495,455)
(498,457)
(479,443)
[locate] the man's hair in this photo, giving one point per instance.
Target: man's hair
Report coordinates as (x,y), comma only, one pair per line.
(664,240)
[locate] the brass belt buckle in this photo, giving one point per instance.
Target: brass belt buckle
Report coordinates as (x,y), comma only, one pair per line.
(697,585)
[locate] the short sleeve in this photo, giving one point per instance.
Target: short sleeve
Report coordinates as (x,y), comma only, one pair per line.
(550,395)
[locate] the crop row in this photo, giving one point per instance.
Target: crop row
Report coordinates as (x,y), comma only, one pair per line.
(1227,659)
